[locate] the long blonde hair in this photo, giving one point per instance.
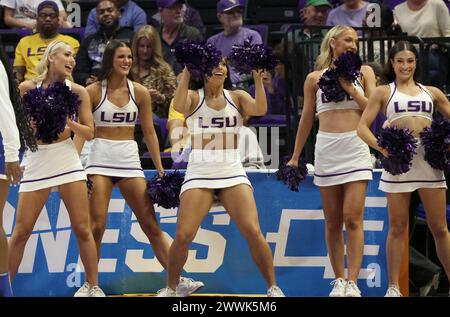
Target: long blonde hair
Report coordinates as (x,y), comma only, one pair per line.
(42,66)
(326,52)
(156,60)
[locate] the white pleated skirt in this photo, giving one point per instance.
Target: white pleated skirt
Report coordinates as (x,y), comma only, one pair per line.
(420,175)
(341,158)
(51,165)
(214,169)
(114,158)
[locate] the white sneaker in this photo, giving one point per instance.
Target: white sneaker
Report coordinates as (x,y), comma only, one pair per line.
(83,291)
(338,288)
(352,290)
(96,292)
(187,286)
(393,291)
(166,292)
(275,291)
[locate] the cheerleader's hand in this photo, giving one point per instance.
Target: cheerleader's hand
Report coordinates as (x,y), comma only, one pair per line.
(258,74)
(13,172)
(347,86)
(160,173)
(292,162)
(384,152)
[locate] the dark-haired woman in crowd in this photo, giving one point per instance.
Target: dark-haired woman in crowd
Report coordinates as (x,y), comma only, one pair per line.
(150,69)
(408,104)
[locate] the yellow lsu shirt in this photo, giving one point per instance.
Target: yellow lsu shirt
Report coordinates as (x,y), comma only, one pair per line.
(173,114)
(30,49)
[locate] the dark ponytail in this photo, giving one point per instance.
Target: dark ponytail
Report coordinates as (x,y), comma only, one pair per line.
(22,119)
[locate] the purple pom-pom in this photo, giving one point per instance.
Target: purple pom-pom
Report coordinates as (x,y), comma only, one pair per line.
(246,57)
(165,191)
(436,140)
(348,67)
(199,58)
(49,109)
(292,175)
(329,84)
(401,146)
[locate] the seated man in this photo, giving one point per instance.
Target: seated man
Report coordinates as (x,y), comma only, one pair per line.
(22,14)
(131,15)
(90,54)
(30,48)
(174,30)
(229,13)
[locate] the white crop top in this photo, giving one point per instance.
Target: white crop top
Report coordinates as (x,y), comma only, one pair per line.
(402,105)
(322,104)
(206,120)
(107,114)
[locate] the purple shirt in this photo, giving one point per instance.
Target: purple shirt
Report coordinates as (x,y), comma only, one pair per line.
(224,44)
(131,16)
(339,16)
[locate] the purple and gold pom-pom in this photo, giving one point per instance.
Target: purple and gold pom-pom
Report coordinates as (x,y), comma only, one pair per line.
(348,66)
(199,58)
(49,108)
(436,141)
(401,146)
(292,175)
(165,191)
(247,57)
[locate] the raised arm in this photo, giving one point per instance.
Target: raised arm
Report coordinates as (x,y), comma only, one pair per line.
(307,117)
(146,118)
(257,106)
(375,103)
(182,101)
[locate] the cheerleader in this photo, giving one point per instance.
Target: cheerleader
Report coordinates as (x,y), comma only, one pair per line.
(408,104)
(57,164)
(213,117)
(342,163)
(117,103)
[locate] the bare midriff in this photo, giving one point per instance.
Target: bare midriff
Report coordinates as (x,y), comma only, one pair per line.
(214,141)
(115,133)
(339,121)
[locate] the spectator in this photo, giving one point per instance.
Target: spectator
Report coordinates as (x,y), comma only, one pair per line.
(174,29)
(31,48)
(229,13)
(191,17)
(315,12)
(423,18)
(131,15)
(22,14)
(90,55)
(350,13)
(275,88)
(150,70)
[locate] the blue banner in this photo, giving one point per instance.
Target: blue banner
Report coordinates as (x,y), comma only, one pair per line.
(292,223)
